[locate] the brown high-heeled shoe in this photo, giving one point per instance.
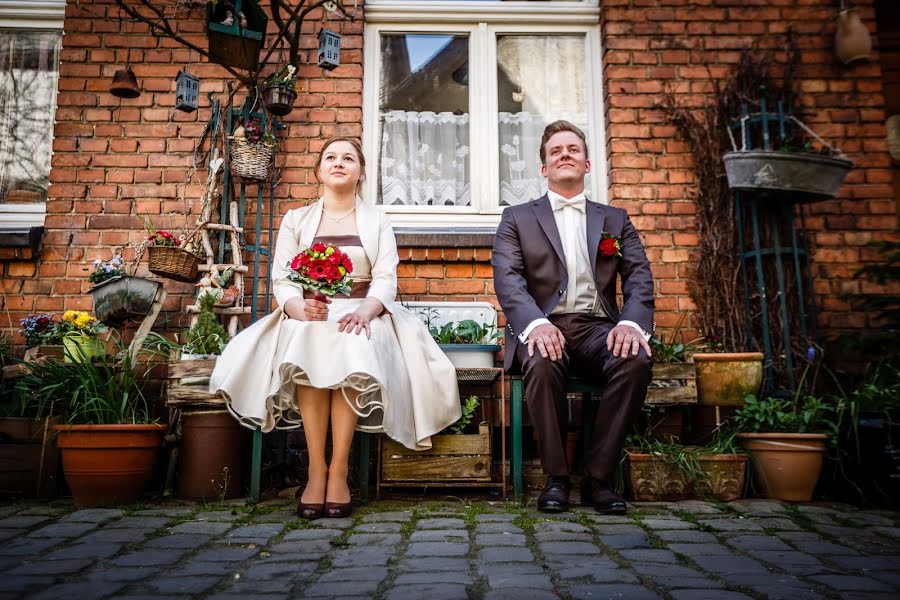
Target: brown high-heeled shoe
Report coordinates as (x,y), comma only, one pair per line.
(338,510)
(310,511)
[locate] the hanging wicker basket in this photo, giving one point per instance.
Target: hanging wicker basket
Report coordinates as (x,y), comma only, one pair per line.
(174,263)
(250,161)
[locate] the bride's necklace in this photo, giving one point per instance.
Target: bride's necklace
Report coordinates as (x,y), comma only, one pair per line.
(342,217)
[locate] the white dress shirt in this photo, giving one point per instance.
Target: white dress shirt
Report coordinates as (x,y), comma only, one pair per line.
(581,293)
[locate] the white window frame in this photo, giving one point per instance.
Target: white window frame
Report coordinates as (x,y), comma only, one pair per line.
(481,21)
(29,15)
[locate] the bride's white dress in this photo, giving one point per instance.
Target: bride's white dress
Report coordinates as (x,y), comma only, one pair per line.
(403,383)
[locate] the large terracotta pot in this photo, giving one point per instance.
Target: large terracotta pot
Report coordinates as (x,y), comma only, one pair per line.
(724,379)
(108,464)
(786,466)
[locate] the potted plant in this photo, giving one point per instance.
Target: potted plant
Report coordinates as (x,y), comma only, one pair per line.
(109,442)
(28,451)
(665,470)
(279,91)
(467,343)
(169,256)
(43,336)
(460,454)
(726,378)
(802,171)
(252,151)
(205,423)
(787,439)
(117,295)
(80,341)
(674,377)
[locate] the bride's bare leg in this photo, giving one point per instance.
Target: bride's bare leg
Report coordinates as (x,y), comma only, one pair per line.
(315,409)
(343,423)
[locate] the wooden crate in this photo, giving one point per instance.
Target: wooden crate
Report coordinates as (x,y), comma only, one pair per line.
(464,458)
(673,383)
(195,395)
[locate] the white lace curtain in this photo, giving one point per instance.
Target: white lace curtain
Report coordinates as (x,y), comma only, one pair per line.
(425,159)
(28,77)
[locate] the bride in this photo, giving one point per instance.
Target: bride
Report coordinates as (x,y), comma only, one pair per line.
(363,362)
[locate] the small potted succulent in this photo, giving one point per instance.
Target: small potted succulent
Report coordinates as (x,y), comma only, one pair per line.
(279,91)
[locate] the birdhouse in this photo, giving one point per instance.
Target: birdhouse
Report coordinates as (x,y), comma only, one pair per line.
(329,49)
(187,91)
(236,30)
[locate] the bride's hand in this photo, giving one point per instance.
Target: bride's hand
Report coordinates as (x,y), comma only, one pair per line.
(354,322)
(308,309)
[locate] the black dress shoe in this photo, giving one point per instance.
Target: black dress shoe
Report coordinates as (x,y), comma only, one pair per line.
(555,496)
(605,501)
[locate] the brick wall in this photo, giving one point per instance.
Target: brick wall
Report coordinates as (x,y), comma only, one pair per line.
(651,45)
(116,158)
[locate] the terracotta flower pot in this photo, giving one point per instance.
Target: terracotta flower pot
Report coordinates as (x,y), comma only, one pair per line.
(108,464)
(786,466)
(724,379)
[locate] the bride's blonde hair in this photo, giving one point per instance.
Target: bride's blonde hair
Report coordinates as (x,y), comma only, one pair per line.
(359,155)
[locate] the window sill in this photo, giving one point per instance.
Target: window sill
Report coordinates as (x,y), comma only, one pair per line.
(21,244)
(446,237)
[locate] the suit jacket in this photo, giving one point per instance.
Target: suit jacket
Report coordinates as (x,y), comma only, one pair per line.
(530,273)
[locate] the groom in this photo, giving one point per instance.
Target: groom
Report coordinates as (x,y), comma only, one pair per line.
(556,261)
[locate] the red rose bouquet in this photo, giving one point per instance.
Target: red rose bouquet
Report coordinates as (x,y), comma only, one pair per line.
(610,245)
(322,269)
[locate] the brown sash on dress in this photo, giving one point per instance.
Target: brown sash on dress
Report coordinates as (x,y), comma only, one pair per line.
(358,289)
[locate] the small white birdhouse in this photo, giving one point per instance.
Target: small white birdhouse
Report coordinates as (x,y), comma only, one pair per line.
(329,49)
(187,91)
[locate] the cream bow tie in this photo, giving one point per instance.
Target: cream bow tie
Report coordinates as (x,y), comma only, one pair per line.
(577,203)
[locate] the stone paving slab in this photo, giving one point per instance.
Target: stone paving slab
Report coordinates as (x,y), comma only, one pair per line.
(403,550)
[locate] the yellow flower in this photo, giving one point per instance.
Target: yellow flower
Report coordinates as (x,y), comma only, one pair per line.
(84,320)
(70,316)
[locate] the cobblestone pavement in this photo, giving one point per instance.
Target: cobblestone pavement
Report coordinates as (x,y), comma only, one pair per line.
(450,549)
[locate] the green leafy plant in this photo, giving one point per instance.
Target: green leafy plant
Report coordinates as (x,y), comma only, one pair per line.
(809,414)
(103,391)
(880,392)
(286,76)
(469,406)
(207,336)
(674,349)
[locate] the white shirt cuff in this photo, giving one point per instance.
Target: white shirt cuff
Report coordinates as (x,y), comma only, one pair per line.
(636,326)
(523,337)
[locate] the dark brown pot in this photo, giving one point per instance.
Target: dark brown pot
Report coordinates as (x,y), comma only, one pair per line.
(28,457)
(108,464)
(211,456)
(786,466)
(279,99)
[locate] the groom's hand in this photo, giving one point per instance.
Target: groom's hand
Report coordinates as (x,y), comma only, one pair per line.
(624,341)
(548,340)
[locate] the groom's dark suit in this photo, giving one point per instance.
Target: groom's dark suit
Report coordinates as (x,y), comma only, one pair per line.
(530,277)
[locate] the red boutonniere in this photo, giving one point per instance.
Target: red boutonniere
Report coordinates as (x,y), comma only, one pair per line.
(610,245)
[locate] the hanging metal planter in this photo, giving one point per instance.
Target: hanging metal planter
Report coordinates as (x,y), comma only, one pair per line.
(806,176)
(279,99)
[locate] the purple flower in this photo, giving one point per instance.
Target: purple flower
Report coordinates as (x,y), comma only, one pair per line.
(810,354)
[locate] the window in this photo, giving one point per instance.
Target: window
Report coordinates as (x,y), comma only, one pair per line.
(457,95)
(30,39)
